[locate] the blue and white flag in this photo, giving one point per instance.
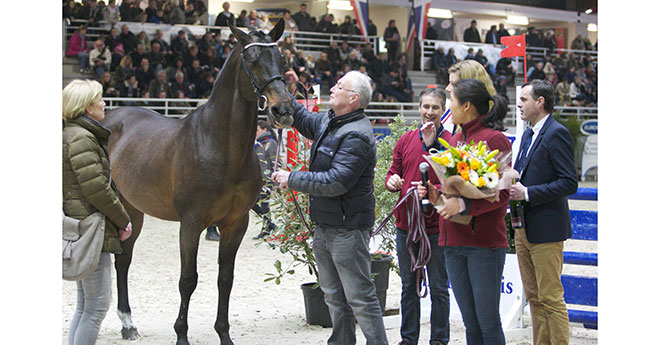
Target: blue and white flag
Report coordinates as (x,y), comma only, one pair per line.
(361,11)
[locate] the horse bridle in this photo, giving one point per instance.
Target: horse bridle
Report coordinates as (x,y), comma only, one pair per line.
(259,90)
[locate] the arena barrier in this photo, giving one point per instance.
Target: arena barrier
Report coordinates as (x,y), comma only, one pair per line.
(581,290)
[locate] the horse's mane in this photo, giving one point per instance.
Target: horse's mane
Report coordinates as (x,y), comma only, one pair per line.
(261,35)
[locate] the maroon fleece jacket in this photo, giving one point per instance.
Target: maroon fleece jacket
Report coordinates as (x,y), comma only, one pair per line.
(408,154)
(487,228)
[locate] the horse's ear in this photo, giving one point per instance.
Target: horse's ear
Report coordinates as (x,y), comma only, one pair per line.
(277,31)
(241,36)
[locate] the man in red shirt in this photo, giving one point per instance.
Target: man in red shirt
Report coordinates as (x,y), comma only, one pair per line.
(408,154)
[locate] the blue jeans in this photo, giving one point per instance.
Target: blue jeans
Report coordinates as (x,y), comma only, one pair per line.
(437,276)
(344,265)
(476,274)
(83,60)
(93,302)
(102,68)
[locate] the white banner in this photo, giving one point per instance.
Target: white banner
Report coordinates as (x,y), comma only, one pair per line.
(491,52)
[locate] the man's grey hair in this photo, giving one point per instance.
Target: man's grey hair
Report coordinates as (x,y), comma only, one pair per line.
(361,84)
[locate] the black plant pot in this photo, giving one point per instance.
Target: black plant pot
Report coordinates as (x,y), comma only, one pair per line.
(316,311)
(380,270)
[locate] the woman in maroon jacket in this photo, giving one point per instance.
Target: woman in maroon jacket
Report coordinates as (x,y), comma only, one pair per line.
(408,154)
(475,252)
(78,48)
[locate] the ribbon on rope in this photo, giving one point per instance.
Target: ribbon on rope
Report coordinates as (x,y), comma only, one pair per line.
(416,234)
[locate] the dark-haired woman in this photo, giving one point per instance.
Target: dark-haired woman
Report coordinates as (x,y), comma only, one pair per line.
(475,253)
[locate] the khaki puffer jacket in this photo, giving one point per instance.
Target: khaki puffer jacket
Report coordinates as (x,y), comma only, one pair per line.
(85,178)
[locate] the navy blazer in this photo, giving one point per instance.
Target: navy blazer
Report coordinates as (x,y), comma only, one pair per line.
(550,176)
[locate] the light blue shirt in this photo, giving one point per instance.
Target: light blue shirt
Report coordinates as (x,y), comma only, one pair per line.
(537,128)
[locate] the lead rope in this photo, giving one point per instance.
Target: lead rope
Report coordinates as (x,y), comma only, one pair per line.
(301,215)
(416,234)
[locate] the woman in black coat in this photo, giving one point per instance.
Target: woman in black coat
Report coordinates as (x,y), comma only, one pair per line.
(391,37)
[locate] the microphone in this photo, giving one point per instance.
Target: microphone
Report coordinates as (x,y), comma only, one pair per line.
(424,170)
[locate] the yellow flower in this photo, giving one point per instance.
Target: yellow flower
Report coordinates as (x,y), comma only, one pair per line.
(474,163)
(481,182)
(444,160)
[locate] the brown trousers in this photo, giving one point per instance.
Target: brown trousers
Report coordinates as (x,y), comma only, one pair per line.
(540,269)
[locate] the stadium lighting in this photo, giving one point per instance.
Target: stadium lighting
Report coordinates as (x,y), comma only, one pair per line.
(592,27)
(439,13)
(340,5)
(589,11)
(517,20)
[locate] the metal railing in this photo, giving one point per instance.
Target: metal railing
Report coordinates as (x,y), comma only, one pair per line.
(307,41)
(168,107)
(312,41)
(178,107)
(536,52)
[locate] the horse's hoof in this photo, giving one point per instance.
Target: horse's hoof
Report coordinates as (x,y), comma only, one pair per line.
(129,333)
(182,341)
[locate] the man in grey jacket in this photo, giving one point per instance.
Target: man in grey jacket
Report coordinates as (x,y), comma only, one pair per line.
(340,185)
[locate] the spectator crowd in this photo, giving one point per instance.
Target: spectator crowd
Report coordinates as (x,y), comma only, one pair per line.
(573,75)
(130,64)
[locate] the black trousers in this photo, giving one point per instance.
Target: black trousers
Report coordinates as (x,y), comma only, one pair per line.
(262,208)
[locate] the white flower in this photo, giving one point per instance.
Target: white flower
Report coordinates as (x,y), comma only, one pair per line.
(474,178)
(491,179)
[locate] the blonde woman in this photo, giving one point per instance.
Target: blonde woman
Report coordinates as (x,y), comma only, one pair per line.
(125,68)
(85,190)
(466,69)
(143,38)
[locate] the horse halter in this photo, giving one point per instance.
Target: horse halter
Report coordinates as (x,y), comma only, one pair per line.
(258,90)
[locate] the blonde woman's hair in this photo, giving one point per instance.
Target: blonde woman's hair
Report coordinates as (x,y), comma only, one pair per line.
(126,61)
(78,95)
(472,69)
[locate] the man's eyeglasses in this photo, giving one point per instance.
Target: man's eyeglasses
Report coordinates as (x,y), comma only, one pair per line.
(343,89)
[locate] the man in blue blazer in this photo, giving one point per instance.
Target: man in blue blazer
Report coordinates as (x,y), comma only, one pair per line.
(548,175)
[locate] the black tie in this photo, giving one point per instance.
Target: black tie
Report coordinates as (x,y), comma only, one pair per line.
(526,142)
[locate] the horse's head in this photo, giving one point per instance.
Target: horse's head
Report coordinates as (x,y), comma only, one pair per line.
(263,67)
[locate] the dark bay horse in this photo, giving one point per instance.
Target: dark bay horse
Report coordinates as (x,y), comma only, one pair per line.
(200,170)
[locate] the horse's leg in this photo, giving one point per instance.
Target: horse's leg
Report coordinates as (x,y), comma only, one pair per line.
(188,247)
(230,239)
(122,263)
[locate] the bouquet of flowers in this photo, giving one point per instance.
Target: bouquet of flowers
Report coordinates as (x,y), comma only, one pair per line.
(473,171)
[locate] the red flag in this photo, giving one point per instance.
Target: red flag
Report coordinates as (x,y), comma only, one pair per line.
(515,46)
